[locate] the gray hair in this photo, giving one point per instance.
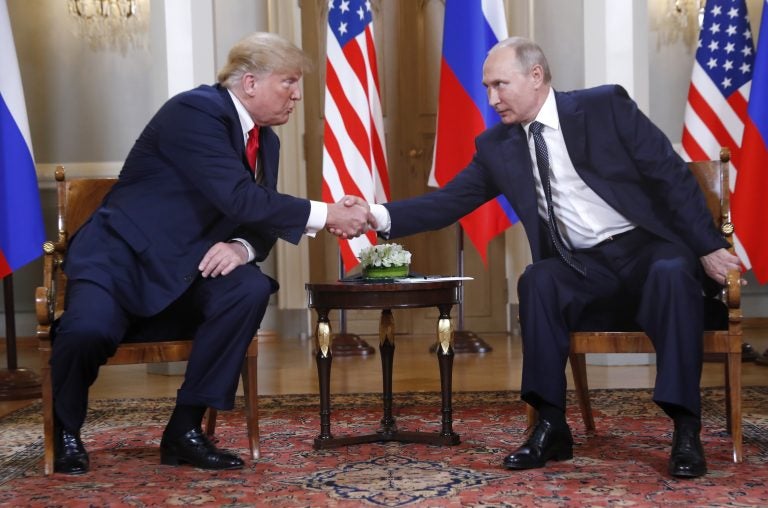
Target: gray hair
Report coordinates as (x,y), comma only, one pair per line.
(528,54)
(262,53)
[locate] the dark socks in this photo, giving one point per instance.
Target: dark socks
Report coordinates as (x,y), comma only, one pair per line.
(184,419)
(682,417)
(552,414)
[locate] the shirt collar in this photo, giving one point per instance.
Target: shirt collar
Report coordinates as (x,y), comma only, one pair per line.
(547,114)
(246,122)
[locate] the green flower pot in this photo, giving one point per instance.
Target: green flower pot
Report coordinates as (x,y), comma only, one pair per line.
(385,272)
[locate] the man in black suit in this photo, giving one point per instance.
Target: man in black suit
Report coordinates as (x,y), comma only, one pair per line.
(611,212)
(173,250)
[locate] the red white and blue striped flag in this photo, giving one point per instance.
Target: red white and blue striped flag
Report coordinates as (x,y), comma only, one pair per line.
(471,28)
(751,190)
(716,111)
(21,219)
(354,154)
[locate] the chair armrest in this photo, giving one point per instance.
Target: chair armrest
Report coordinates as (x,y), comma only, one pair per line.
(53,281)
(43,306)
(732,290)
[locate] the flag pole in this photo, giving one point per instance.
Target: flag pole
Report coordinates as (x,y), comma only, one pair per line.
(343,343)
(15,383)
(465,341)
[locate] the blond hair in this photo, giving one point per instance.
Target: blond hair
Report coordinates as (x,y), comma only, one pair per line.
(262,53)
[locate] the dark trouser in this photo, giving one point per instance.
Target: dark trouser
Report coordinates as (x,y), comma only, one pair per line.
(659,277)
(221,314)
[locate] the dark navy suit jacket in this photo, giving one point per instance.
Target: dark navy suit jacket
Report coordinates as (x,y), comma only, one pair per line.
(185,186)
(615,149)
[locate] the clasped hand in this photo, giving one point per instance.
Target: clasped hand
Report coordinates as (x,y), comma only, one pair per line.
(718,263)
(350,217)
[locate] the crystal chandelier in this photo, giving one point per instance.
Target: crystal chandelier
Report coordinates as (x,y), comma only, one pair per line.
(681,20)
(111,24)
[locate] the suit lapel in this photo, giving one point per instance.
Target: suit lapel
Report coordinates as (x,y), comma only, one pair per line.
(236,132)
(574,125)
(572,122)
(519,186)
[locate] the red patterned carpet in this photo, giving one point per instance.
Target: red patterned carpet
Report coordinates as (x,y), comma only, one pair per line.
(624,464)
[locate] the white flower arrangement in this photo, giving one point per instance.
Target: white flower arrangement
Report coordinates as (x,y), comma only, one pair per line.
(384,255)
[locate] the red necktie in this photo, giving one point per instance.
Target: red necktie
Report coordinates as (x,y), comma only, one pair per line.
(252,147)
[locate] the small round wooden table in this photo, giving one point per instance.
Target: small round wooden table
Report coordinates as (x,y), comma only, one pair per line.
(386,296)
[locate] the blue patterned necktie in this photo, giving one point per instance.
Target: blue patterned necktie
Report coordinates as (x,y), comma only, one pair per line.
(542,160)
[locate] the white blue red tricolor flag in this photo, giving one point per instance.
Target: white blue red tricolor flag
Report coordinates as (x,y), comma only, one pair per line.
(751,190)
(354,154)
(471,28)
(716,114)
(21,219)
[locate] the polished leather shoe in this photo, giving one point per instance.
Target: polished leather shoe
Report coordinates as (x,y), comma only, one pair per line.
(196,449)
(687,457)
(69,455)
(546,442)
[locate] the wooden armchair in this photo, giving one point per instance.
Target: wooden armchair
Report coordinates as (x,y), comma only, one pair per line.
(722,338)
(77,200)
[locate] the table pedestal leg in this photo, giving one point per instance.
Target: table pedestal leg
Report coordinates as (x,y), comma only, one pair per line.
(323,358)
(445,356)
(387,353)
(388,430)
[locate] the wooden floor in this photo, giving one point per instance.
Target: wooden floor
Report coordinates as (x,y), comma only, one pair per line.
(287,365)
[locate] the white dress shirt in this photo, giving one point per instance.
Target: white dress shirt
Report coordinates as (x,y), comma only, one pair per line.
(583,218)
(318,211)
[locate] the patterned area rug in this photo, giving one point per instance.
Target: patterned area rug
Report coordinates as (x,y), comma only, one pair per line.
(624,463)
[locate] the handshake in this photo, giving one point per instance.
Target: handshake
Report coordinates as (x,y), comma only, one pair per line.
(350,217)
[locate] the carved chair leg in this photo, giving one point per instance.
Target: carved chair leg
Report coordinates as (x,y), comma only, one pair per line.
(47,396)
(733,402)
(579,369)
(250,389)
(210,422)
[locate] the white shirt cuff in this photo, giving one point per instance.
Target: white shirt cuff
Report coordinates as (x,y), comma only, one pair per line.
(318,214)
(383,221)
(244,243)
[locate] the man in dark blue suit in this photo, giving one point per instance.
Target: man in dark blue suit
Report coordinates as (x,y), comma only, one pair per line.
(611,212)
(173,250)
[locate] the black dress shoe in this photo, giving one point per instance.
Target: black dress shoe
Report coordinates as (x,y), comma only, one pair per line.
(195,448)
(687,457)
(545,442)
(69,453)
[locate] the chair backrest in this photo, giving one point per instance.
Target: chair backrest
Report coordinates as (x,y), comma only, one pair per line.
(77,200)
(713,180)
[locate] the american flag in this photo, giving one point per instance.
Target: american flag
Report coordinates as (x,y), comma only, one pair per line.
(719,91)
(354,155)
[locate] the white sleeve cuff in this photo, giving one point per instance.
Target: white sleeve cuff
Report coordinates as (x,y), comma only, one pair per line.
(318,214)
(383,221)
(248,247)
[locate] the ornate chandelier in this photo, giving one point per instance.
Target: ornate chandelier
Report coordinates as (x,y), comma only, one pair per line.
(111,24)
(680,20)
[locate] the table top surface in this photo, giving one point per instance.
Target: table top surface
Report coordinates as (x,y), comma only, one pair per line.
(381,295)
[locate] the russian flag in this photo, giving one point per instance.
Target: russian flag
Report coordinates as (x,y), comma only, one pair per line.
(751,186)
(471,28)
(21,219)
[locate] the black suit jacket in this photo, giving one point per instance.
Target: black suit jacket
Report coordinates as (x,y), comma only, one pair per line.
(185,186)
(615,149)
